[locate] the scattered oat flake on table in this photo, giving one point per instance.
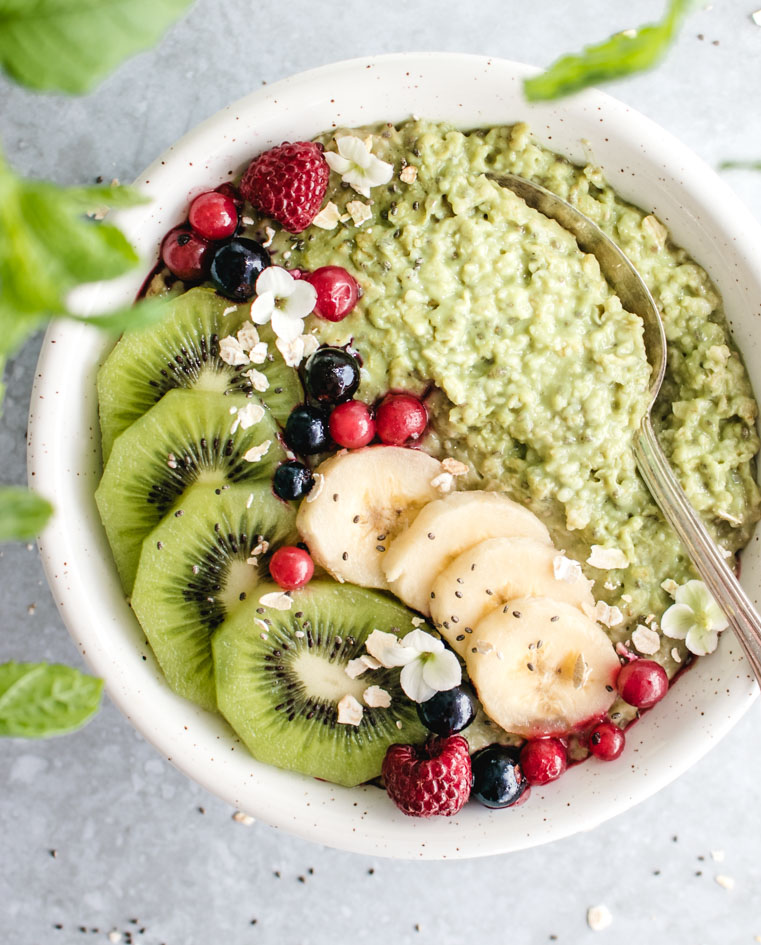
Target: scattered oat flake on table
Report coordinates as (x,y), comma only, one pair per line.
(257,452)
(359,212)
(277,600)
(240,818)
(349,711)
(599,918)
(408,174)
(756,17)
(726,882)
(717,856)
(376,698)
(115,937)
(646,640)
(607,558)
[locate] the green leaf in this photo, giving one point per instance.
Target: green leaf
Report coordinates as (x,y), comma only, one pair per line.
(69,45)
(131,317)
(740,166)
(22,513)
(42,699)
(48,247)
(621,55)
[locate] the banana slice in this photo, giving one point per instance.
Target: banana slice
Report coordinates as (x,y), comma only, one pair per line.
(443,530)
(360,501)
(541,667)
(495,571)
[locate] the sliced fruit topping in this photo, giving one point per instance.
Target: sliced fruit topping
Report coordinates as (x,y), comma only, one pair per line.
(400,418)
(498,780)
(332,375)
(362,500)
(196,567)
(307,431)
(292,480)
(186,438)
(337,292)
(493,572)
(352,425)
(213,215)
(444,529)
(541,667)
(282,682)
(642,683)
(543,760)
(288,183)
(606,741)
(186,254)
(203,343)
(431,780)
(235,267)
(448,712)
(291,567)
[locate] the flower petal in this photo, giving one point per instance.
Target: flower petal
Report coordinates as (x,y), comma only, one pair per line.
(354,150)
(286,327)
(702,642)
(262,308)
(301,301)
(337,163)
(677,621)
(422,642)
(378,172)
(276,280)
(385,647)
(412,682)
(442,671)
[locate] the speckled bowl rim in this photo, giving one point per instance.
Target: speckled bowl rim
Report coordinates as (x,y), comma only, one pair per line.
(646,165)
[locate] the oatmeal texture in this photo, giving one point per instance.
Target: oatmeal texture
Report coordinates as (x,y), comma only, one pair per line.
(539,375)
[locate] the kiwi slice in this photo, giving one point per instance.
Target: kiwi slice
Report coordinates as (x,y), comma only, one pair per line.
(182,350)
(186,438)
(194,570)
(281,673)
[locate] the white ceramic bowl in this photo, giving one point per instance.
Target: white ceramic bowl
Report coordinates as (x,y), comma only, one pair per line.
(645,165)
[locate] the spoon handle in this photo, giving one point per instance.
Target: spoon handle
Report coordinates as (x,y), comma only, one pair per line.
(702,549)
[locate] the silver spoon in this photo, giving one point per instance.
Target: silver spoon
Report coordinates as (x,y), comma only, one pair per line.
(651,460)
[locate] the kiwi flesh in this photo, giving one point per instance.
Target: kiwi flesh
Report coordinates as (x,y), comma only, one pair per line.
(186,438)
(194,570)
(281,673)
(182,350)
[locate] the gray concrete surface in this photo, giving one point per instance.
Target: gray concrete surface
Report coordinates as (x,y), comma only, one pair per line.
(99,834)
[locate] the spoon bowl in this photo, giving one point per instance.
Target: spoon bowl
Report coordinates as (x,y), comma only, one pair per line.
(654,467)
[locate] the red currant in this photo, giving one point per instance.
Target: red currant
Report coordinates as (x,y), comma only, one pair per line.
(337,292)
(642,683)
(543,760)
(606,741)
(213,215)
(229,190)
(399,418)
(291,567)
(352,425)
(186,254)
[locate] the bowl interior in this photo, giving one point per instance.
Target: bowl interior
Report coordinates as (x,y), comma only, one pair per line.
(646,166)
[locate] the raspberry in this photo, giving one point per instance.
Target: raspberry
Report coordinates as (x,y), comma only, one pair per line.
(431,780)
(288,183)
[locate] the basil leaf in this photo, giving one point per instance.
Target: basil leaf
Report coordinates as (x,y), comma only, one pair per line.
(42,699)
(621,55)
(69,45)
(740,166)
(22,513)
(48,246)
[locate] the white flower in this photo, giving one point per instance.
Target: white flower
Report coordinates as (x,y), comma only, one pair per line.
(283,301)
(695,618)
(427,666)
(357,165)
